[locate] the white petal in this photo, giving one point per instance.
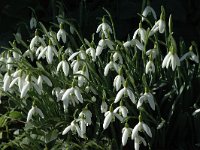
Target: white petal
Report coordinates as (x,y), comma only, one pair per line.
(107,120)
(78,94)
(65,68)
(119,95)
(66,130)
(135,131)
(30,113)
(141,100)
(151,100)
(25,89)
(131,95)
(66,94)
(107,68)
(125,137)
(147,129)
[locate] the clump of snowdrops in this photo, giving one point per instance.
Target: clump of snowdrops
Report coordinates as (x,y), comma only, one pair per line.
(61,90)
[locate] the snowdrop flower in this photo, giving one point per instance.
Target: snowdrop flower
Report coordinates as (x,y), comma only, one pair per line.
(87,115)
(92,53)
(147,11)
(110,116)
(33,111)
(195,112)
(73,127)
(171,58)
(61,34)
(49,52)
(29,54)
(72,95)
(25,89)
(104,28)
(150,67)
(36,40)
(117,56)
(6,81)
(125,91)
(191,55)
(104,43)
(83,77)
(118,81)
(104,106)
(33,22)
(137,141)
(9,63)
(110,65)
(141,126)
(128,44)
(81,54)
(153,52)
(160,25)
(141,32)
(122,110)
(146,97)
(58,92)
(65,67)
(126,133)
(44,78)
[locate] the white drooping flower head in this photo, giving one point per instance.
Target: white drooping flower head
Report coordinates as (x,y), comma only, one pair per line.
(62,34)
(125,91)
(141,32)
(148,10)
(104,28)
(33,111)
(33,22)
(126,133)
(160,25)
(148,98)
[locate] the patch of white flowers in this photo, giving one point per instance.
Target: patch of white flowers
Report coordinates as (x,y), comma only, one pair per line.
(95,77)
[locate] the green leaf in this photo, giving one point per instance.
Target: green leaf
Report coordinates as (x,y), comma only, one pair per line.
(52,135)
(3,120)
(15,115)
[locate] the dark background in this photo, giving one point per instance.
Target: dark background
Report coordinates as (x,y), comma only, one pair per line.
(87,13)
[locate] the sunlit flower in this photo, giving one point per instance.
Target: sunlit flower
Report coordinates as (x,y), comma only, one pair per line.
(191,55)
(33,111)
(137,141)
(110,116)
(104,106)
(104,43)
(126,133)
(92,53)
(171,59)
(148,10)
(65,67)
(159,26)
(6,81)
(150,67)
(125,91)
(61,34)
(104,28)
(71,95)
(110,65)
(73,127)
(118,82)
(141,126)
(122,110)
(49,52)
(117,56)
(146,97)
(141,32)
